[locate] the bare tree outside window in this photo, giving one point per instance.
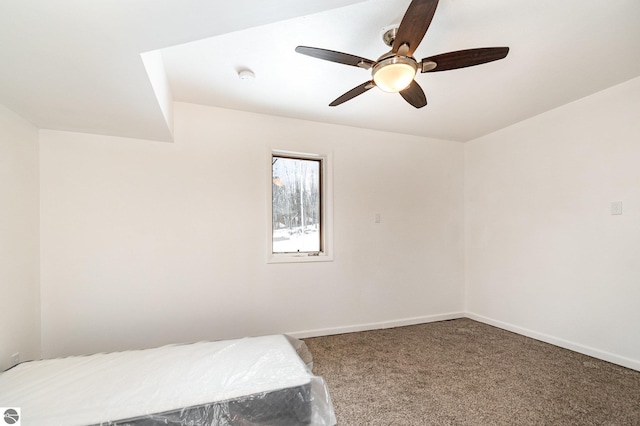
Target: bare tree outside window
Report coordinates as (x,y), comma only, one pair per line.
(296,209)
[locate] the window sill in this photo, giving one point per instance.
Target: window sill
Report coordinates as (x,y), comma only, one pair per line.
(299,258)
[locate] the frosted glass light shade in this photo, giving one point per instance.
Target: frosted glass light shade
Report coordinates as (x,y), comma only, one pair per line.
(394,74)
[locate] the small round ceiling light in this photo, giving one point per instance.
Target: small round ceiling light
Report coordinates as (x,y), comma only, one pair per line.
(246,75)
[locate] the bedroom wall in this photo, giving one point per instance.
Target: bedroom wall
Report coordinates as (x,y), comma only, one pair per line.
(544,255)
(147,243)
(19,239)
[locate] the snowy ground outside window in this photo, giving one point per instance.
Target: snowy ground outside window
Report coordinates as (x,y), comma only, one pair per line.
(292,240)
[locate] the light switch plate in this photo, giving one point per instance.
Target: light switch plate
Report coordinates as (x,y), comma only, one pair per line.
(616,207)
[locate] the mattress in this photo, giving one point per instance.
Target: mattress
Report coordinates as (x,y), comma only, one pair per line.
(252,381)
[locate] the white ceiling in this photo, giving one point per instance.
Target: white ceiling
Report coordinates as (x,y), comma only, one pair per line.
(75,65)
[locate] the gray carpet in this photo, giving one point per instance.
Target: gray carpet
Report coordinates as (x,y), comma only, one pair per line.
(463,372)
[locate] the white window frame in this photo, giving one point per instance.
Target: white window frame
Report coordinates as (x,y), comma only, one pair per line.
(326,213)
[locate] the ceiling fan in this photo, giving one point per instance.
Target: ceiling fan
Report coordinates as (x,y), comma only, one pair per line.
(395,70)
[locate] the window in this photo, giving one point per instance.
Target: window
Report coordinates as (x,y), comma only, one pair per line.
(299,213)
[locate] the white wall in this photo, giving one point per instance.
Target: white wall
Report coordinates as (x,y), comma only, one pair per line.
(145,243)
(544,255)
(19,239)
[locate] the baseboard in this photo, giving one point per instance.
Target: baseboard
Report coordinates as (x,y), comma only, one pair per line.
(376,325)
(576,347)
(566,344)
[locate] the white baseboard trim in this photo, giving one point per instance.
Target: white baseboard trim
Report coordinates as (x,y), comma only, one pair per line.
(376,325)
(576,347)
(566,344)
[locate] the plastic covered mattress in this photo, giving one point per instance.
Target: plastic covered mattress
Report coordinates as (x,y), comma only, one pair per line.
(252,381)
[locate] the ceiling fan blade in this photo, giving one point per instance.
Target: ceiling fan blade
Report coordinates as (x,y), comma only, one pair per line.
(358,90)
(463,58)
(414,25)
(414,95)
(333,56)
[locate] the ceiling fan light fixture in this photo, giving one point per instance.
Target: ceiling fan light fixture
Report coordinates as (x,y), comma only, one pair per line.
(394,74)
(395,71)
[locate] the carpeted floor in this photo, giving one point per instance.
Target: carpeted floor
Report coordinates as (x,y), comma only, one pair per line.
(462,372)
